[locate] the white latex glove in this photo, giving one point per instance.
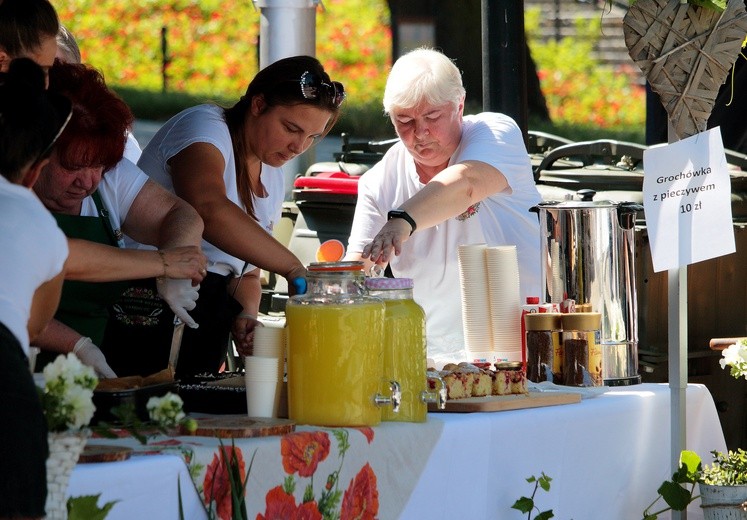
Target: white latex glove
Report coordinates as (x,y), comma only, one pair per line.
(89,354)
(181,297)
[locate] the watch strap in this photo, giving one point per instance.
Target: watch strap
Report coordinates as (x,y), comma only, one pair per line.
(400,213)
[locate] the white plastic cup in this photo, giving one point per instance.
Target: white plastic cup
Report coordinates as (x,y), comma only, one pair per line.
(269,342)
(262,398)
(260,368)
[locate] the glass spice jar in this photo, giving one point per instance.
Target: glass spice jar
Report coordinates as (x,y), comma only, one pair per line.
(582,352)
(544,352)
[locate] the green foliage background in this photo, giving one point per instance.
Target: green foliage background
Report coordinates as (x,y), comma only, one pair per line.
(213,44)
(213,54)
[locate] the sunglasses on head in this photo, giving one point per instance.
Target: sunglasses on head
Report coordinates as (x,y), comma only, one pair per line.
(311,84)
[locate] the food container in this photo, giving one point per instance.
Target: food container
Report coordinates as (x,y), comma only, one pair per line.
(405,358)
(335,350)
(582,351)
(544,352)
(137,398)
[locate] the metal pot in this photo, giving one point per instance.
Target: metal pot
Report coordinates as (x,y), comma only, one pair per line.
(589,252)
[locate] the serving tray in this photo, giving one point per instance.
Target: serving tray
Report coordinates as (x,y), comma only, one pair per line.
(237,426)
(499,403)
(104,453)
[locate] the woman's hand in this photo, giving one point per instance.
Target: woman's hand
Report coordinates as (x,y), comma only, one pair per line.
(243,333)
(296,280)
(389,239)
(184,262)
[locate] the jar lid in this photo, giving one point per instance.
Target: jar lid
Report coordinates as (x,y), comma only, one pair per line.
(320,267)
(508,365)
(542,321)
(389,283)
(581,320)
(533,300)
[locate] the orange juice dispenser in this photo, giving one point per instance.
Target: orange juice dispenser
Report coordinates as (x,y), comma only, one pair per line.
(335,350)
(404,348)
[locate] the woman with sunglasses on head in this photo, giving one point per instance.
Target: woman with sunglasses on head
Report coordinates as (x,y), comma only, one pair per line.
(227,164)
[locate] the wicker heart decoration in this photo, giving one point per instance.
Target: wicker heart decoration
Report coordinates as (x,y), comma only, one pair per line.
(686,53)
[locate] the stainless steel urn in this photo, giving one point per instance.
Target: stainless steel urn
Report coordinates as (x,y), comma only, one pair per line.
(588,250)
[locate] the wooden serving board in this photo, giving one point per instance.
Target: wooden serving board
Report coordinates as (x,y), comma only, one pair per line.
(499,403)
(241,426)
(104,453)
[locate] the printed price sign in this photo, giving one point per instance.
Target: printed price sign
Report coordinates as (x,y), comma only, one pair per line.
(687,199)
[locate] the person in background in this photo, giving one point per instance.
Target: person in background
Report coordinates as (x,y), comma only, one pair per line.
(96,195)
(34,252)
(28,29)
(227,162)
(69,52)
(451,180)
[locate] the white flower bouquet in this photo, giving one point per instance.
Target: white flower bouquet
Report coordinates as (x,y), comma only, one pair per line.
(735,357)
(67,396)
(166,411)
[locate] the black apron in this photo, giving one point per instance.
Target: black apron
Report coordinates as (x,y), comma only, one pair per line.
(84,305)
(139,332)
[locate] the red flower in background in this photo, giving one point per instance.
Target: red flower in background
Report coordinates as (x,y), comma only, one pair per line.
(361,500)
(303,451)
(279,505)
(217,486)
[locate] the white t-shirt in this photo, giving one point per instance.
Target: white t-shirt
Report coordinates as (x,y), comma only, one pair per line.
(429,257)
(132,149)
(118,189)
(34,251)
(205,124)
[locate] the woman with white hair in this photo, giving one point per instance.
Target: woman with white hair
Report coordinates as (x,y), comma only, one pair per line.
(451,180)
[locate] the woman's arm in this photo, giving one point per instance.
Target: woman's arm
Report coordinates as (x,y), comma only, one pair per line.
(159,218)
(43,305)
(197,174)
(247,290)
(446,195)
(94,262)
(58,337)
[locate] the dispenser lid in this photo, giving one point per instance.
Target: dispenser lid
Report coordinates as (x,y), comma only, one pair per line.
(322,267)
(542,321)
(581,320)
(389,283)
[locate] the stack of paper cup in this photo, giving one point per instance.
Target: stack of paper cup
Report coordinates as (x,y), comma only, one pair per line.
(262,386)
(473,276)
(270,342)
(265,372)
(505,302)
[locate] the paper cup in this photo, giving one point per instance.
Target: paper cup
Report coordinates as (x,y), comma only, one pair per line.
(262,398)
(258,368)
(269,342)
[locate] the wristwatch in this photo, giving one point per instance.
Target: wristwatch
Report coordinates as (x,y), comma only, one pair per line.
(400,213)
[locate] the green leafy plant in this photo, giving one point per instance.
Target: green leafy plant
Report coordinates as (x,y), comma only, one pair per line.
(578,88)
(165,414)
(727,469)
(87,508)
(527,505)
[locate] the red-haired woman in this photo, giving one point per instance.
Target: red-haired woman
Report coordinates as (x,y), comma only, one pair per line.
(97,195)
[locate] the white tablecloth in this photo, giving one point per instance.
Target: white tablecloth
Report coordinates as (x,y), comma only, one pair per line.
(606,455)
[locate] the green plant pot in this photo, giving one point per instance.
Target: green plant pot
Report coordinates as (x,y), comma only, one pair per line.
(723,502)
